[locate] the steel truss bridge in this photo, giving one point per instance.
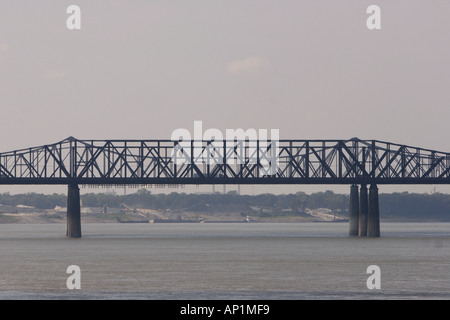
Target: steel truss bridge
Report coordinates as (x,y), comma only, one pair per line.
(118,162)
(115,162)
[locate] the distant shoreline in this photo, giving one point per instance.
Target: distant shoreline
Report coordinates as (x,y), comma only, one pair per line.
(145,206)
(43,217)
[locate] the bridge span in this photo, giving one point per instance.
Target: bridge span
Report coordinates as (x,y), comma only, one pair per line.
(119,162)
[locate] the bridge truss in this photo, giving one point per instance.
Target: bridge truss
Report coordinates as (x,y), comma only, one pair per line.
(118,162)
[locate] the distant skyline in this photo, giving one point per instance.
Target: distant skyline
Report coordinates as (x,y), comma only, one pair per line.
(141,69)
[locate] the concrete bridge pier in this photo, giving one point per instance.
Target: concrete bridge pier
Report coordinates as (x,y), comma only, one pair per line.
(373,221)
(364,214)
(363,211)
(73,211)
(354,211)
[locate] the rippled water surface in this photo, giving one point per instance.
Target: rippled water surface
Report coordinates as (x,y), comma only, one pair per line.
(225,261)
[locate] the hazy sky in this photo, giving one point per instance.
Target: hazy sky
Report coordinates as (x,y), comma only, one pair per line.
(141,69)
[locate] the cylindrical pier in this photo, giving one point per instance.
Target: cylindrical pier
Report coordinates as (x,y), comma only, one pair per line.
(73,212)
(363,210)
(354,211)
(373,221)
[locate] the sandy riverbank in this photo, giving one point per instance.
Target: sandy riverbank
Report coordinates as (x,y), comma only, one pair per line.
(96,215)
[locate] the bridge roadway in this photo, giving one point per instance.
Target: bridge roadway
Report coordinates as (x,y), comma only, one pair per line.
(118,162)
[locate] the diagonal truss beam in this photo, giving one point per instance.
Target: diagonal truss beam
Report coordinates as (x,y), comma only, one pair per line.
(211,162)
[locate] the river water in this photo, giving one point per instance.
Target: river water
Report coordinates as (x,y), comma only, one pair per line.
(224,261)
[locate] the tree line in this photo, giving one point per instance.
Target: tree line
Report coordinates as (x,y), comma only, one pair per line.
(395,204)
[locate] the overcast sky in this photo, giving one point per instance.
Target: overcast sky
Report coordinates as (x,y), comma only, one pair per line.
(141,69)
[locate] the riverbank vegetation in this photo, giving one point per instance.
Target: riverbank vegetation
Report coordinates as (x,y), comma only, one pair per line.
(401,206)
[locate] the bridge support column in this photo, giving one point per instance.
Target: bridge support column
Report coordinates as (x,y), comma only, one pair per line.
(354,211)
(373,221)
(73,212)
(363,211)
